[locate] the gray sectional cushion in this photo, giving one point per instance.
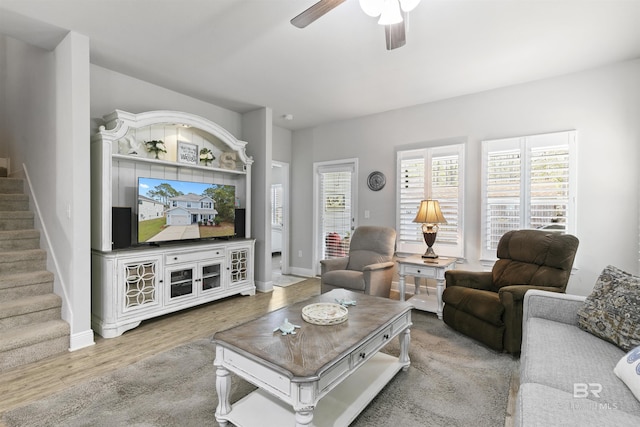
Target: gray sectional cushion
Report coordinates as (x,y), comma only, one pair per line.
(539,405)
(612,311)
(560,355)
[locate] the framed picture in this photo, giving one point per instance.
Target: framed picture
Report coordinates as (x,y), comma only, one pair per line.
(335,202)
(187,153)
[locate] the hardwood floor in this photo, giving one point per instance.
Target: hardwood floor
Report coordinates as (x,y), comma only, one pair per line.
(46,377)
(41,379)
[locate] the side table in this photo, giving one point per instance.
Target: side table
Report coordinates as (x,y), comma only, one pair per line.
(427,268)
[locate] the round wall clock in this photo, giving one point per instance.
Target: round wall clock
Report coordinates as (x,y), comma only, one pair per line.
(376,181)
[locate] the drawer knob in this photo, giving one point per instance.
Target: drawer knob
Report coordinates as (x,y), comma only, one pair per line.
(175,258)
(386,336)
(362,355)
(419,272)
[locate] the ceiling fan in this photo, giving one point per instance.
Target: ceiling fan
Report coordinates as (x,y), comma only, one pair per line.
(393,14)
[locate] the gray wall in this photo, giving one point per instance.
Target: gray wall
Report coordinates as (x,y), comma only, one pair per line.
(46,127)
(602,104)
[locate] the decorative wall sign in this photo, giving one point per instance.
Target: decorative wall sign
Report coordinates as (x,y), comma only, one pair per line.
(335,202)
(376,181)
(187,153)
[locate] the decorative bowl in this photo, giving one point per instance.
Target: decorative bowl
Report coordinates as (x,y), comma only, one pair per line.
(324,313)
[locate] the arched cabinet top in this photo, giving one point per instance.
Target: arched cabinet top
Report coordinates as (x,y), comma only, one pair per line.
(125,130)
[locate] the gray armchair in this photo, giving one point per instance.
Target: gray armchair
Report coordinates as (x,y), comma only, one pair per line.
(369,266)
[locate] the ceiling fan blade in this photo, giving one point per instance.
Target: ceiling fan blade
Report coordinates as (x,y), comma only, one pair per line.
(395,35)
(315,12)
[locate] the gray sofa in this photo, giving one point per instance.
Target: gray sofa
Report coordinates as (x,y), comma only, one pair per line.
(560,360)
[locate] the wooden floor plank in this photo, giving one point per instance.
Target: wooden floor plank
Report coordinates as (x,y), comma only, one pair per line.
(38,380)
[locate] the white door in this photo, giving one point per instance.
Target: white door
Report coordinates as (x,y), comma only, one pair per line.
(280,212)
(335,185)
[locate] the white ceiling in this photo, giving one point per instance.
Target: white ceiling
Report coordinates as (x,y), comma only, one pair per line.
(240,54)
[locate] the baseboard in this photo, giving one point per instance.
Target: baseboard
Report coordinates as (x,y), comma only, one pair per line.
(264,286)
(81,340)
(303,272)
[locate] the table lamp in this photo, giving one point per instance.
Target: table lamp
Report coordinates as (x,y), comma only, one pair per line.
(430,215)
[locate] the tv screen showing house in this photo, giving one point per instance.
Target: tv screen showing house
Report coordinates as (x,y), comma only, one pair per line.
(170,210)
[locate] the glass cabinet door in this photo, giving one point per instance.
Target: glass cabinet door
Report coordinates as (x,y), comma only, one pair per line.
(211,278)
(181,282)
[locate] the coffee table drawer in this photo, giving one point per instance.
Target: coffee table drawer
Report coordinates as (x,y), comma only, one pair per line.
(368,349)
(333,374)
(257,373)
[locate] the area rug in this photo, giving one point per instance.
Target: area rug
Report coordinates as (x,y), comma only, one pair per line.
(452,381)
(284,280)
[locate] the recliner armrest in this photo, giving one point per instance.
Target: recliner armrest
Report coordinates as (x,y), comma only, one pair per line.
(469,279)
(332,264)
(379,266)
(517,292)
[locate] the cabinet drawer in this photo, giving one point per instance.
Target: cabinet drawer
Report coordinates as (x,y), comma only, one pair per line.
(426,271)
(177,258)
(365,351)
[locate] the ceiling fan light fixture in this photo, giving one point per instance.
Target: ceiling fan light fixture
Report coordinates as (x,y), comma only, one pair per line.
(372,8)
(408,5)
(390,13)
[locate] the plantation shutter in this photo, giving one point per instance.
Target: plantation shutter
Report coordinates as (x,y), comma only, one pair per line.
(549,187)
(445,188)
(412,191)
(435,173)
(528,183)
(276,204)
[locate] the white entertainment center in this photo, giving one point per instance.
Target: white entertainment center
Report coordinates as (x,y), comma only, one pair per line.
(137,281)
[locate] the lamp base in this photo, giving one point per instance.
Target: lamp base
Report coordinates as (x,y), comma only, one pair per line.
(430,253)
(430,239)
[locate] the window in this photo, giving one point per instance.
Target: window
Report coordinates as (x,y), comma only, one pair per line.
(276,205)
(437,173)
(528,182)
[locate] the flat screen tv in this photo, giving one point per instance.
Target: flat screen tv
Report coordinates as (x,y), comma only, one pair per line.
(173,210)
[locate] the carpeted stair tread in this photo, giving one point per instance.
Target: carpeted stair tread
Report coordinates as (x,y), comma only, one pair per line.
(29,233)
(29,304)
(32,334)
(14,202)
(15,214)
(11,186)
(12,262)
(19,239)
(16,220)
(8,281)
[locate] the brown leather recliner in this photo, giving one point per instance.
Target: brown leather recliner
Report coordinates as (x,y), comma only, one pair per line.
(487,306)
(369,267)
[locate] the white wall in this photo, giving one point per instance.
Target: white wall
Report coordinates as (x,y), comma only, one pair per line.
(47,130)
(257,128)
(111,90)
(281,144)
(602,104)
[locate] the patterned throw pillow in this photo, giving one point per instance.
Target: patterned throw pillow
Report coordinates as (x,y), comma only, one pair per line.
(612,311)
(628,370)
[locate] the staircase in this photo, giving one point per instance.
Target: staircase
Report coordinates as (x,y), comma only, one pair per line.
(31,327)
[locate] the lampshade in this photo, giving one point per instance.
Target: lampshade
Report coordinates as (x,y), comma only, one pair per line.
(429,213)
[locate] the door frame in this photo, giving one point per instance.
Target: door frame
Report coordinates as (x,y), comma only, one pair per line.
(284,253)
(317,241)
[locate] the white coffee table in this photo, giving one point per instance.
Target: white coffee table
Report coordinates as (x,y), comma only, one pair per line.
(322,375)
